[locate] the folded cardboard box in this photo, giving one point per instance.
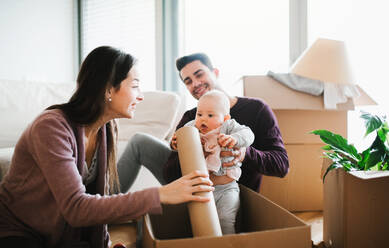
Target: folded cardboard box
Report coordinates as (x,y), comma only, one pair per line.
(298,114)
(304,161)
(260,223)
(356,208)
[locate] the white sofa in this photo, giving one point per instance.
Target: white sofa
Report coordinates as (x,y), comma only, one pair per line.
(22,101)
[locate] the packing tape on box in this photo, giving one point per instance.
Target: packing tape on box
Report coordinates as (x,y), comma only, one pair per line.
(203,215)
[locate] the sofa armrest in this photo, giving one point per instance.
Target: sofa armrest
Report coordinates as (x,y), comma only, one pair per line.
(22,101)
(5,160)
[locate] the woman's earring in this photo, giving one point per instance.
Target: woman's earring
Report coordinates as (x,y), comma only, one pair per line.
(110,99)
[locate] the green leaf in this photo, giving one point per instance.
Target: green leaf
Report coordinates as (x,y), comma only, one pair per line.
(378,152)
(348,166)
(375,157)
(346,156)
(365,157)
(336,157)
(378,144)
(382,132)
(338,143)
(372,122)
(330,168)
(376,167)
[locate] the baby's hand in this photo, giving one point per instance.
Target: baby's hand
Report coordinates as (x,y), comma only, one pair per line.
(225,140)
(173,142)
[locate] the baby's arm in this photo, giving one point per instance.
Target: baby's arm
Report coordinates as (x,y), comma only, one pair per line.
(242,134)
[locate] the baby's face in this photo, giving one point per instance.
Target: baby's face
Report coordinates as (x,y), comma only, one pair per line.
(209,115)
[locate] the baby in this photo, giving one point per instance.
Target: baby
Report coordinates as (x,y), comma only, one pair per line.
(219,132)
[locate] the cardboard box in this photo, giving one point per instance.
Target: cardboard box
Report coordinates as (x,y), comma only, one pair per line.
(296,125)
(261,223)
(356,208)
(308,174)
(299,113)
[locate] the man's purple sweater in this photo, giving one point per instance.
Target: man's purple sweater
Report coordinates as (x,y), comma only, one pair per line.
(267,155)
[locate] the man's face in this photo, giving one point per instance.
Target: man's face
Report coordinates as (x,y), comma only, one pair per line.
(198,78)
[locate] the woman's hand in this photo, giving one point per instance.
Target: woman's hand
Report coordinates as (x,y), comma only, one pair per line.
(237,153)
(183,189)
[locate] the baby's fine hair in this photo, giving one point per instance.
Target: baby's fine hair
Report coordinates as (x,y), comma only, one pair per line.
(221,98)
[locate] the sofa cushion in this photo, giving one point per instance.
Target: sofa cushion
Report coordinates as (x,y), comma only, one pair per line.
(22,101)
(5,160)
(155,115)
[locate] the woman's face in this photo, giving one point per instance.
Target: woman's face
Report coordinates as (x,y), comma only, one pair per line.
(124,100)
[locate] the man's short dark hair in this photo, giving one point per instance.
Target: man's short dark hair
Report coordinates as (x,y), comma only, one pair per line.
(202,57)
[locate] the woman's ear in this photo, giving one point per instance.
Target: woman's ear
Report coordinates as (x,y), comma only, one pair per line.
(108,94)
(227,117)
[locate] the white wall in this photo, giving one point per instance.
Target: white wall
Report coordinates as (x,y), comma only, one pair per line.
(37,40)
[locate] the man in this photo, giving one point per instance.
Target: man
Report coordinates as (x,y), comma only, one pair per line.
(267,155)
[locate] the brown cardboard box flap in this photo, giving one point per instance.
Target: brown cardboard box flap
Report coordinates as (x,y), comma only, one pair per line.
(356,209)
(302,188)
(364,99)
(296,125)
(262,223)
(366,175)
(279,96)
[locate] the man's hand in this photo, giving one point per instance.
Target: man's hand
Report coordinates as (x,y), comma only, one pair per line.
(226,140)
(237,153)
(173,142)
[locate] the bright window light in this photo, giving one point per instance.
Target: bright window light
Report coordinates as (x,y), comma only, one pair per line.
(361,25)
(125,24)
(242,37)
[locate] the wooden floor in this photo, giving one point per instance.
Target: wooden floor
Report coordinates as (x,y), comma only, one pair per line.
(126,233)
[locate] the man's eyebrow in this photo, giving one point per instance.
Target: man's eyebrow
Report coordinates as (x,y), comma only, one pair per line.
(196,72)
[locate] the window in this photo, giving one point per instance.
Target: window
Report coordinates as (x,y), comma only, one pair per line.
(241,37)
(361,25)
(125,24)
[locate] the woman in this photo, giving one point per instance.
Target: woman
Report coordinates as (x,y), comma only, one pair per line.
(63,168)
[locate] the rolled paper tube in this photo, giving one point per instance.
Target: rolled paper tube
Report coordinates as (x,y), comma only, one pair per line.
(203,215)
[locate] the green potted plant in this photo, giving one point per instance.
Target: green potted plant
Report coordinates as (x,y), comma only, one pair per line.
(346,156)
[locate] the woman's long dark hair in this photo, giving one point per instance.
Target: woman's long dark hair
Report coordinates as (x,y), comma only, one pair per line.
(103,68)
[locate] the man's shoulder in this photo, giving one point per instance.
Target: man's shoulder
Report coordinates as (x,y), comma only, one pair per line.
(190,114)
(251,100)
(193,110)
(186,117)
(245,104)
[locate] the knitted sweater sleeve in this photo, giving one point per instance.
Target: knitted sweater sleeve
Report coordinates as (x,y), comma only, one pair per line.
(52,145)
